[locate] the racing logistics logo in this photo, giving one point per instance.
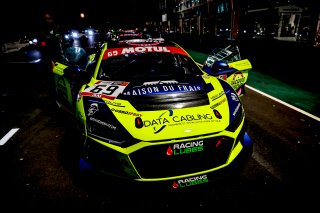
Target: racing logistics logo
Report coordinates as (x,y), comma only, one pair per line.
(185,148)
(187,182)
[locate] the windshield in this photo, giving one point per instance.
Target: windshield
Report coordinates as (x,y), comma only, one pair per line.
(147,66)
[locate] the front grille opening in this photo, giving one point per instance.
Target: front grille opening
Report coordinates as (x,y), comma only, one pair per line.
(160,161)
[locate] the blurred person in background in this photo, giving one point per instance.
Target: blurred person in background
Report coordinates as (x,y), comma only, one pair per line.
(51,49)
(51,34)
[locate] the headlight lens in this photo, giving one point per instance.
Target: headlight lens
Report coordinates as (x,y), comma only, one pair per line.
(103,130)
(103,125)
(237,119)
(235,109)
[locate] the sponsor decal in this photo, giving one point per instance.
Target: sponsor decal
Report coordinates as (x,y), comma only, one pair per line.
(237,80)
(234,97)
(223,76)
(160,123)
(93,109)
(110,126)
(185,148)
(139,49)
(162,88)
(113,103)
(241,65)
(168,119)
(218,103)
(187,182)
(126,112)
(236,109)
(216,96)
(105,89)
(217,114)
(237,74)
(143,49)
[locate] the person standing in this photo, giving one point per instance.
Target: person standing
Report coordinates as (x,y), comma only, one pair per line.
(51,49)
(51,33)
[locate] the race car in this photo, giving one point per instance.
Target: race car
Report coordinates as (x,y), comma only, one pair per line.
(148,113)
(226,63)
(122,35)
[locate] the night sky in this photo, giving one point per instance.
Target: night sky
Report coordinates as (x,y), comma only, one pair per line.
(29,15)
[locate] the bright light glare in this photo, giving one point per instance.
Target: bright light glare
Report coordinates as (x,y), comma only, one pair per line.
(90,32)
(35,41)
(75,35)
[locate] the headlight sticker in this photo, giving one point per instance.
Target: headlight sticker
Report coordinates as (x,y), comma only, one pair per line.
(102,123)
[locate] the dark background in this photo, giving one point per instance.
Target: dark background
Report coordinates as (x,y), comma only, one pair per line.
(30,15)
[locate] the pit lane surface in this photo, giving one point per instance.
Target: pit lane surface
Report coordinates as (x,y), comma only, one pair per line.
(38,164)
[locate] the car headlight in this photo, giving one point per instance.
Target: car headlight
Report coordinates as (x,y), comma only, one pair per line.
(103,125)
(75,34)
(236,119)
(66,36)
(235,107)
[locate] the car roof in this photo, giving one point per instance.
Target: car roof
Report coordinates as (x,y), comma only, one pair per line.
(140,42)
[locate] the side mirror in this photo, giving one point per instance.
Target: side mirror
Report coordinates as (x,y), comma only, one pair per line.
(219,66)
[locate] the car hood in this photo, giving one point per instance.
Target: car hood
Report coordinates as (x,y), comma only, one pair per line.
(163,110)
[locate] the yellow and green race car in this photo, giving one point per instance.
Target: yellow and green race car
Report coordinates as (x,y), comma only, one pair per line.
(149,113)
